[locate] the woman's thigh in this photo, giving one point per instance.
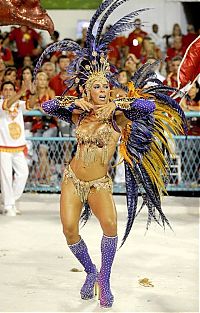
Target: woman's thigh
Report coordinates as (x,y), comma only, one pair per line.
(102,205)
(70,205)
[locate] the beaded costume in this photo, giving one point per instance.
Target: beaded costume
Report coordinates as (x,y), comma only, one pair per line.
(152,115)
(83,188)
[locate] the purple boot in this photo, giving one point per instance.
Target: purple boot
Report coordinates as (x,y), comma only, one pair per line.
(108,249)
(80,251)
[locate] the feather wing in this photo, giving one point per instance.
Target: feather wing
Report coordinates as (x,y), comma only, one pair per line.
(145,148)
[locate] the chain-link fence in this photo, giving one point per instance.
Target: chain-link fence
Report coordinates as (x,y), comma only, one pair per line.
(47,158)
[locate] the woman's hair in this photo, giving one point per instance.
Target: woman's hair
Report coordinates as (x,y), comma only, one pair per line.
(176,25)
(9,70)
(27,67)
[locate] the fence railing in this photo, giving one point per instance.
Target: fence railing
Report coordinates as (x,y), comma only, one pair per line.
(47,157)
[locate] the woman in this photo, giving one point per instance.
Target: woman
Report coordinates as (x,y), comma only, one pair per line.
(44,126)
(100,121)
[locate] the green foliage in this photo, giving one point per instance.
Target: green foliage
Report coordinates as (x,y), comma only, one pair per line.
(70,4)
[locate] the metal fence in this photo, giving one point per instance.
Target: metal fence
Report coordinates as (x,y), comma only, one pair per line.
(47,158)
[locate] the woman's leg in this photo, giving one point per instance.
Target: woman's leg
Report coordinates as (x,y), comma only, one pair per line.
(102,205)
(70,210)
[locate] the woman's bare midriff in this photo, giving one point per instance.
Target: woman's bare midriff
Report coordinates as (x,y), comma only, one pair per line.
(95,169)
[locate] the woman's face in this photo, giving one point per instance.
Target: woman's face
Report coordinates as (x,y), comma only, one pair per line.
(41,80)
(100,92)
(122,78)
(193,91)
(130,64)
(27,75)
(12,76)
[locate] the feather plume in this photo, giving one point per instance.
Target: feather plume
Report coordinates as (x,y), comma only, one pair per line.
(64,45)
(123,24)
(103,6)
(113,7)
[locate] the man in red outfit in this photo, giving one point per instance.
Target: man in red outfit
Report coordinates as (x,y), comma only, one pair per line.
(190,36)
(134,40)
(57,82)
(27,41)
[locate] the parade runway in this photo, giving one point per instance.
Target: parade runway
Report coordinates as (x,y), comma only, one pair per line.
(35,263)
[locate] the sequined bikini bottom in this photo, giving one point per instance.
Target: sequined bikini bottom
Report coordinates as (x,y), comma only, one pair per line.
(83,188)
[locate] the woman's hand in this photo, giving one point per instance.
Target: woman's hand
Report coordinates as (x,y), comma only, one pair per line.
(105,110)
(83,104)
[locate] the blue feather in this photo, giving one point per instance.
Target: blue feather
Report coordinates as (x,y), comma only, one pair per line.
(103,6)
(64,45)
(115,5)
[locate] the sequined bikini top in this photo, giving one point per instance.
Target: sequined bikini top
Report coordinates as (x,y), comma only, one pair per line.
(93,135)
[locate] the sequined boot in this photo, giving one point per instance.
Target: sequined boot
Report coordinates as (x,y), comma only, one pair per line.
(80,251)
(108,249)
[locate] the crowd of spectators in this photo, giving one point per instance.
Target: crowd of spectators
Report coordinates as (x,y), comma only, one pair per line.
(21,47)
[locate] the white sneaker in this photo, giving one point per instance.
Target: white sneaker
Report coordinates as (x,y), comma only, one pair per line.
(10,212)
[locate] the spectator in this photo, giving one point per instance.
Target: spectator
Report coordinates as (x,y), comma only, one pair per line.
(157,69)
(171,79)
(11,75)
(176,31)
(177,49)
(131,64)
(12,145)
(50,69)
(57,82)
(190,36)
(135,38)
(119,43)
(123,78)
(156,38)
(5,53)
(43,127)
(27,61)
(27,43)
(148,50)
(26,77)
(193,102)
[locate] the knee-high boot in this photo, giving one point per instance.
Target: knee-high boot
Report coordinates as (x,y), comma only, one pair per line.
(108,250)
(80,251)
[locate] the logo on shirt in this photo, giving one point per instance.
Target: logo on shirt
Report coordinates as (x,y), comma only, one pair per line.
(14,130)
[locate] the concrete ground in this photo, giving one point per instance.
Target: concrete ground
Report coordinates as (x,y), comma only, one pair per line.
(35,262)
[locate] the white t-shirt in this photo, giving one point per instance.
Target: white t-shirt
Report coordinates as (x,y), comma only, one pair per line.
(12,138)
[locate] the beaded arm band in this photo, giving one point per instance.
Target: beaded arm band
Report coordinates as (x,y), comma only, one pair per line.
(133,109)
(61,107)
(65,101)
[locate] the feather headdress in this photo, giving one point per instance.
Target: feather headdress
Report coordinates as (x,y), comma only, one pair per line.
(91,61)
